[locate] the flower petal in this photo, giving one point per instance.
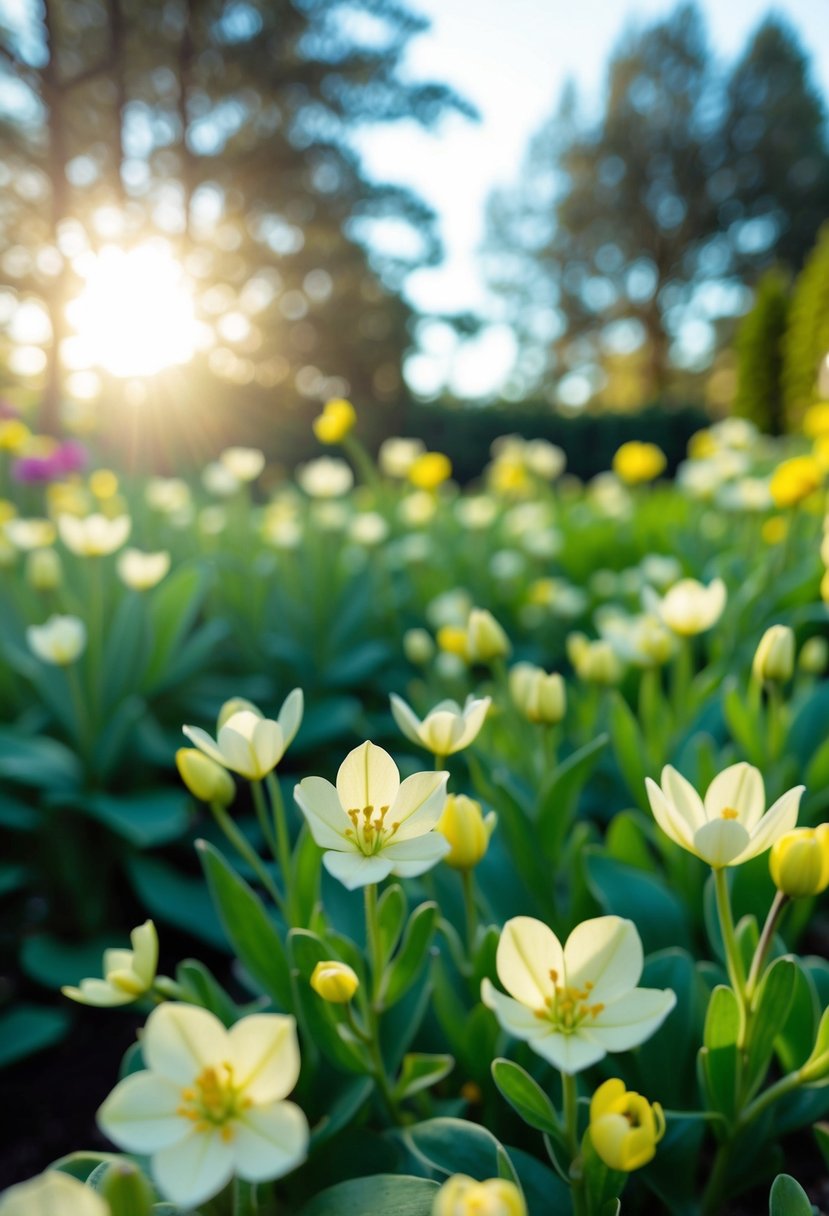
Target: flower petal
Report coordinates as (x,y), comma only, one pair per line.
(515,1018)
(204,743)
(683,797)
(290,716)
(778,819)
(196,1169)
(97,992)
(265,1055)
(419,804)
(607,953)
(441,731)
(474,715)
(354,870)
(367,777)
(528,953)
(633,1018)
(320,804)
(140,1114)
(737,788)
(406,719)
(180,1040)
(570,1053)
(672,822)
(268,745)
(416,856)
(721,842)
(270,1141)
(145,951)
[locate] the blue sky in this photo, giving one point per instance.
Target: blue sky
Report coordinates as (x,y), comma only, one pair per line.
(511,59)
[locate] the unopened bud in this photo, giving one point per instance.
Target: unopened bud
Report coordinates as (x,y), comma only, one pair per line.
(486,639)
(467,829)
(335,982)
(774,657)
(204,778)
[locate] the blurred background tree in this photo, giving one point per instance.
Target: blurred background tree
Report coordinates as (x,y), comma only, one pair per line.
(625,252)
(225,126)
(759,347)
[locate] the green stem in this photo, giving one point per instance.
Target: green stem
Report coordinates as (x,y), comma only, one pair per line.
(764,944)
(733,962)
(713,1194)
(775,721)
(779,1090)
(570,1110)
(471,914)
(282,836)
(246,850)
(82,732)
(375,950)
(374,1005)
(261,809)
(245,1202)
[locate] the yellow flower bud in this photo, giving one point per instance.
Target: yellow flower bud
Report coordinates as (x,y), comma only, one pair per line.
(430,470)
(103,483)
(14,435)
(335,422)
(816,420)
(635,463)
(624,1127)
(485,638)
(453,639)
(126,1190)
(794,480)
(335,982)
(775,529)
(814,655)
(538,696)
(463,1196)
(467,829)
(799,861)
(774,657)
(43,569)
(204,778)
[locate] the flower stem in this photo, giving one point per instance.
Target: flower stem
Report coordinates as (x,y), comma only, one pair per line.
(471,912)
(733,962)
(570,1105)
(374,1006)
(373,943)
(764,944)
(246,850)
(261,809)
(245,1201)
(282,836)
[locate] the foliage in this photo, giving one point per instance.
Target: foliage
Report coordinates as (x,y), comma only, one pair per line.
(807,337)
(758,345)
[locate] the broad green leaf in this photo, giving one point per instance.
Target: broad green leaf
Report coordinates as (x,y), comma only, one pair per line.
(412,956)
(421,1071)
(770,1009)
(719,1054)
(325,1023)
(391,918)
(176,898)
(788,1198)
(525,1096)
(249,928)
(145,818)
(172,612)
(624,890)
(26,1029)
(629,747)
(379,1195)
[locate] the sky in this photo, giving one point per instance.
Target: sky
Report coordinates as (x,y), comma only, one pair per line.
(511,59)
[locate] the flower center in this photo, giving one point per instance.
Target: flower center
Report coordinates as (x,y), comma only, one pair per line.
(729,813)
(213,1101)
(369,831)
(568,1007)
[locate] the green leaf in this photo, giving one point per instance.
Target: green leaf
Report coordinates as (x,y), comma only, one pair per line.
(176,899)
(602,1184)
(204,989)
(630,748)
(788,1198)
(27,1029)
(305,888)
(391,918)
(412,956)
(173,610)
(83,1164)
(53,962)
(794,1043)
(770,1009)
(525,1096)
(719,1055)
(13,878)
(249,928)
(453,1146)
(559,801)
(421,1071)
(42,763)
(623,890)
(380,1195)
(821,1131)
(146,818)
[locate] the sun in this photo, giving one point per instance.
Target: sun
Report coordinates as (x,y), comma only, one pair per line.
(134,315)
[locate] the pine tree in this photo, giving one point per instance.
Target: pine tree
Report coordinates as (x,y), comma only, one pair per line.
(806,342)
(759,348)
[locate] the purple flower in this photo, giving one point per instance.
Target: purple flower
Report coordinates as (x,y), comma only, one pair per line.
(68,457)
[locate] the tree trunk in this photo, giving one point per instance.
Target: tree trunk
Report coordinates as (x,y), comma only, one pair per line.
(49,420)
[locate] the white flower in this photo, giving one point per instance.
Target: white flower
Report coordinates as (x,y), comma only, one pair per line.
(372,825)
(27,534)
(141,571)
(60,641)
(244,463)
(325,477)
(210,1103)
(573,1004)
(731,825)
(689,607)
(94,535)
(447,728)
(249,744)
(52,1194)
(396,455)
(128,974)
